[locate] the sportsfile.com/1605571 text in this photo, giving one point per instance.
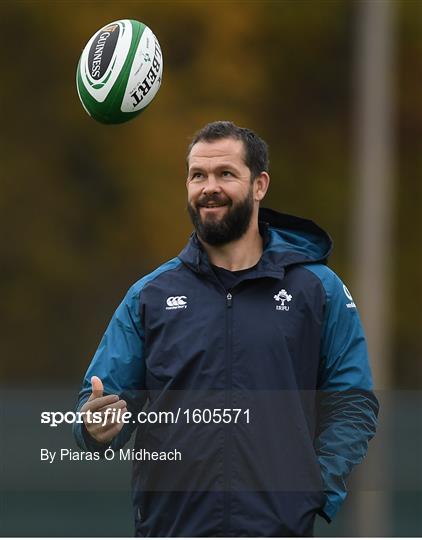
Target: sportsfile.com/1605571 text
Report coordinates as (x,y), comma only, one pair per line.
(112,415)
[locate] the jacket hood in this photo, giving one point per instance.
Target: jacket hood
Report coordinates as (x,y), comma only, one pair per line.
(297,239)
(287,240)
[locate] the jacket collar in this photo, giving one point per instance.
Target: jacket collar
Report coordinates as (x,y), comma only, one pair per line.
(288,240)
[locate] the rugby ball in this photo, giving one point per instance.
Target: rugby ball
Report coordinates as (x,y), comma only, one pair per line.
(119,71)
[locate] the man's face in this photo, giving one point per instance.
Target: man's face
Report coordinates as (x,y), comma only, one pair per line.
(220,192)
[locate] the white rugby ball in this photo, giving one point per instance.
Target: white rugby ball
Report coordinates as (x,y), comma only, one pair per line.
(119,71)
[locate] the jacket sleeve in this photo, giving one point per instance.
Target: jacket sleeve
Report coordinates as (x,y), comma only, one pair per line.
(119,363)
(347,406)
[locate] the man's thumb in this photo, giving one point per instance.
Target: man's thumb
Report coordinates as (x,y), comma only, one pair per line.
(97,387)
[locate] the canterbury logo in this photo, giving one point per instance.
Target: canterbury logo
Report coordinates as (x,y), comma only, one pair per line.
(176,302)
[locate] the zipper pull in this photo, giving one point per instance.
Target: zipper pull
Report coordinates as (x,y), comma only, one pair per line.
(229,299)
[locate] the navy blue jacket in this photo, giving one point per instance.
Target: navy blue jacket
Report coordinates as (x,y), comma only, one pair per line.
(286,344)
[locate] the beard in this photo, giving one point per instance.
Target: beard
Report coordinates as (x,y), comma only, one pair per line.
(232,226)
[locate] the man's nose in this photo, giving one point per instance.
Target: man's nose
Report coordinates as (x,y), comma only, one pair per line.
(211,185)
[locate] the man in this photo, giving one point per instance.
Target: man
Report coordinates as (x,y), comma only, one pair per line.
(247,318)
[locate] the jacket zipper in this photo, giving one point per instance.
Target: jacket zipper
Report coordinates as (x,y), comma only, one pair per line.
(227,427)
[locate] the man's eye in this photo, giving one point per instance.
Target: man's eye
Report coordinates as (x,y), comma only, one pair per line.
(196,176)
(227,173)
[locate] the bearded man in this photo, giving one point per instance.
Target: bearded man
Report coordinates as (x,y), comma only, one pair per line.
(254,346)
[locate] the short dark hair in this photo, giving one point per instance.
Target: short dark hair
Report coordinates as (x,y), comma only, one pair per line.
(256,149)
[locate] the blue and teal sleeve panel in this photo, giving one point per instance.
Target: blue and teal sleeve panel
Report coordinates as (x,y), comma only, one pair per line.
(119,363)
(348,408)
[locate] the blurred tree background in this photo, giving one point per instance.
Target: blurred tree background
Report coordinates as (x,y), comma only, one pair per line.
(87,209)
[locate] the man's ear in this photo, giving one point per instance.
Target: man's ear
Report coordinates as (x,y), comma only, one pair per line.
(261,184)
